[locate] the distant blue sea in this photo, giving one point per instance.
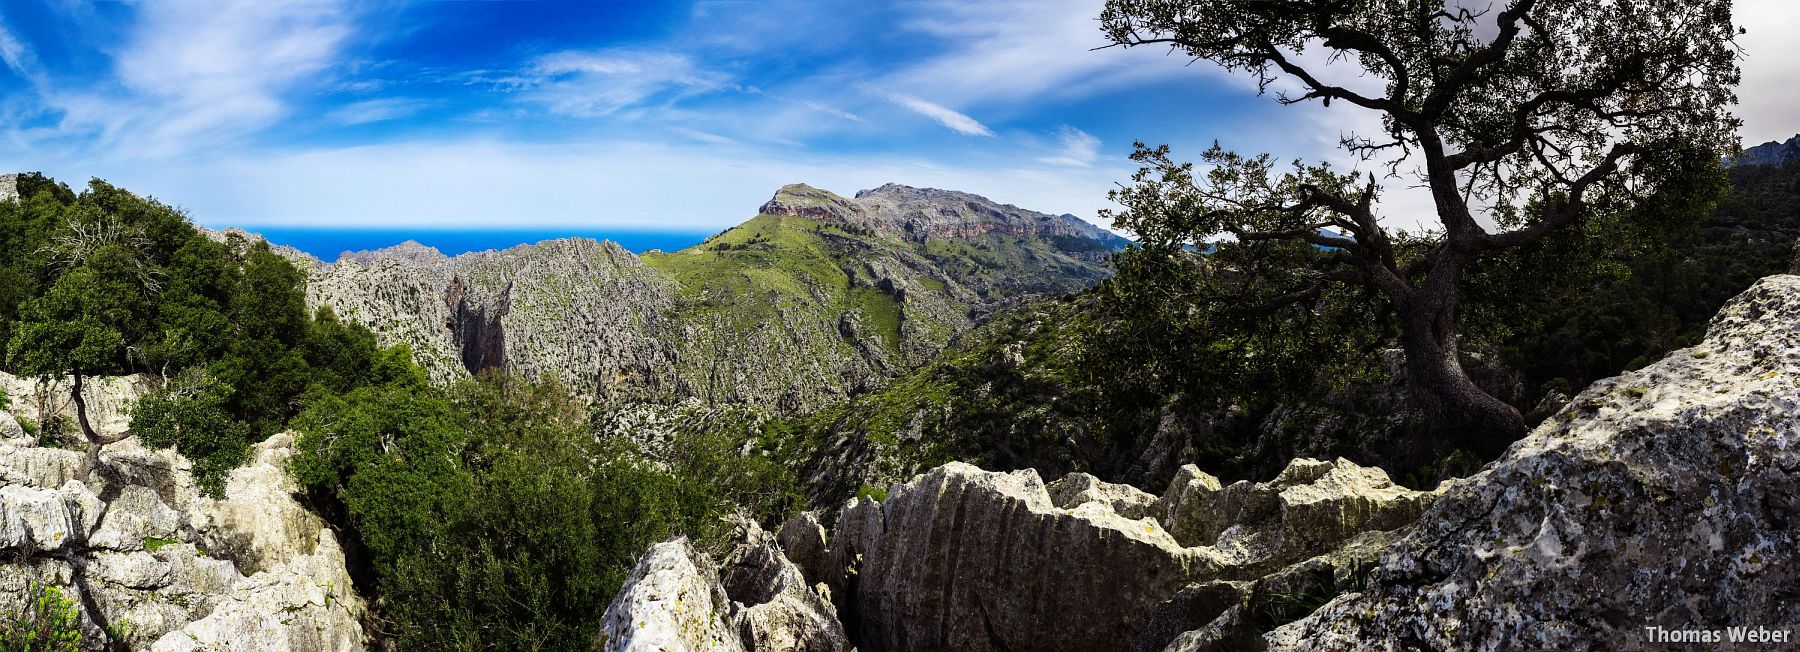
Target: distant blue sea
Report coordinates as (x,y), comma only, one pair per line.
(327,243)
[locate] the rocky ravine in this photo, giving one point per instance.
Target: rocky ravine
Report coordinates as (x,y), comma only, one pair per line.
(148,558)
(1663,498)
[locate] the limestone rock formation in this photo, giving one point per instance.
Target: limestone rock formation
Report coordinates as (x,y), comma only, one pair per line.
(672,601)
(1662,498)
(138,544)
(929,213)
(586,311)
(965,559)
(772,606)
(756,601)
(1772,153)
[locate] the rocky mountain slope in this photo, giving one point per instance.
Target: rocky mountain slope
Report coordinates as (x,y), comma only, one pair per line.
(151,563)
(1774,152)
(816,298)
(1659,500)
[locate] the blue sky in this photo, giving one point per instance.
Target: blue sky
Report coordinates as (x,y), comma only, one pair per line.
(630,114)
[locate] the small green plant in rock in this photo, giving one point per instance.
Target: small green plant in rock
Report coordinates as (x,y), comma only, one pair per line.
(48,622)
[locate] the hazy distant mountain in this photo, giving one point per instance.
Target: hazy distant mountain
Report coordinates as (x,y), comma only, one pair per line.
(1772,152)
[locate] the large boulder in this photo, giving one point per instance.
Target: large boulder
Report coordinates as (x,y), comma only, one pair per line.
(1658,505)
(966,559)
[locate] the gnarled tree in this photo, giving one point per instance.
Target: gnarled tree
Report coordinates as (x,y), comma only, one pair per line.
(1521,122)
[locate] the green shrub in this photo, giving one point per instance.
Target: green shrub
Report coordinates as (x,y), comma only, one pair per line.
(49,622)
(494,519)
(192,415)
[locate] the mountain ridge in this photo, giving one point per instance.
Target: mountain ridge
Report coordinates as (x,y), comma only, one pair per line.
(1772,153)
(815,298)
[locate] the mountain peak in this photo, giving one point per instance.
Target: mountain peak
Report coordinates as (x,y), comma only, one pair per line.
(921,214)
(1773,152)
(801,200)
(410,251)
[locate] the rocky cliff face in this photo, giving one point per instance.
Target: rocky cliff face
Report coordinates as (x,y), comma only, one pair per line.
(152,564)
(1662,498)
(589,312)
(792,310)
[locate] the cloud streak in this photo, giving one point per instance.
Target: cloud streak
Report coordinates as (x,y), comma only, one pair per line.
(595,84)
(946,116)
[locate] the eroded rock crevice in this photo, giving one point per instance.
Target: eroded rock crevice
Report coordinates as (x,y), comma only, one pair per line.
(476,327)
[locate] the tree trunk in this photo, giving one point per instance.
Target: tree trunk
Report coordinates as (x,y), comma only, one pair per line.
(1456,408)
(91,460)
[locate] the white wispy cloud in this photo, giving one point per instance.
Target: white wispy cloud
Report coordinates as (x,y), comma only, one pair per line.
(1008,53)
(184,77)
(376,110)
(15,54)
(1079,148)
(1769,98)
(946,116)
(592,84)
(659,184)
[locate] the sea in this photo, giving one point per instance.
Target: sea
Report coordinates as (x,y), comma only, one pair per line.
(327,243)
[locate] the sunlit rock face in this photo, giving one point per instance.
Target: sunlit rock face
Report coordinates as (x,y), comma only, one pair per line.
(753,600)
(965,559)
(137,544)
(1662,498)
(817,298)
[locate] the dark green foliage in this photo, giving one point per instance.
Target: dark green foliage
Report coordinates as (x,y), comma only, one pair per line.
(107,282)
(1526,122)
(494,519)
(1646,298)
(191,413)
(1273,607)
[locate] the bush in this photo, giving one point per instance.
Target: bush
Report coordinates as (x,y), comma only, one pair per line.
(495,519)
(191,414)
(49,622)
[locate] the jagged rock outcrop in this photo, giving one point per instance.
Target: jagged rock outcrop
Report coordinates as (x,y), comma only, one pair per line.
(929,213)
(965,559)
(773,607)
(671,601)
(137,544)
(9,187)
(756,601)
(1662,498)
